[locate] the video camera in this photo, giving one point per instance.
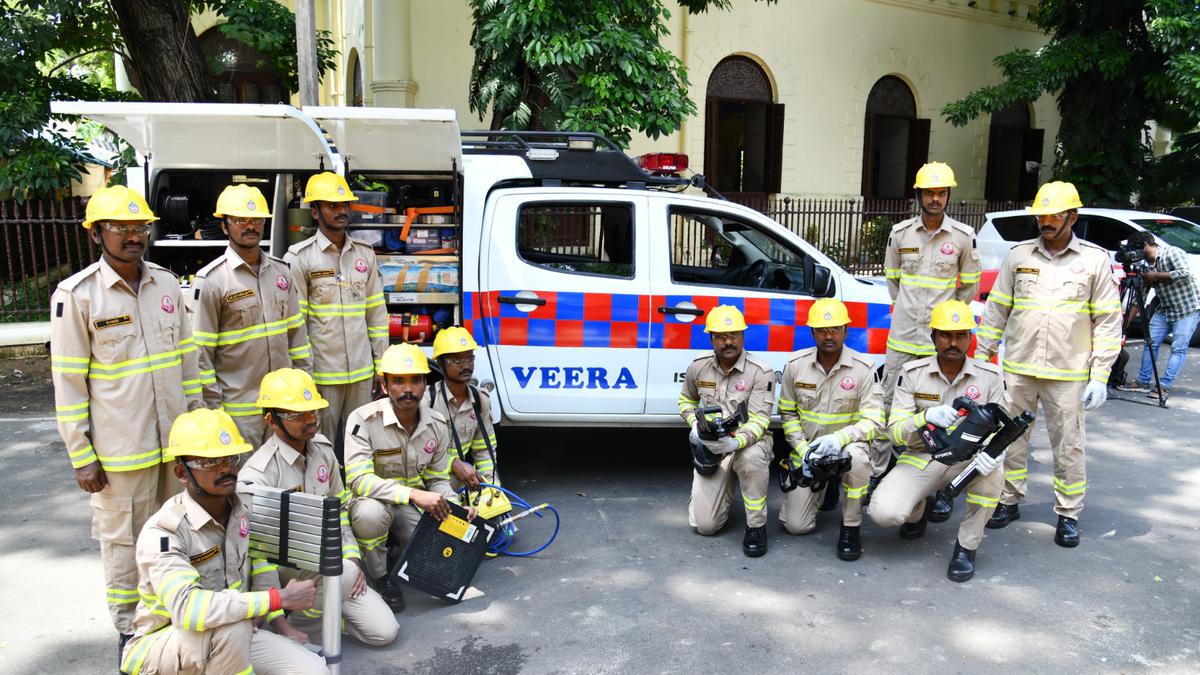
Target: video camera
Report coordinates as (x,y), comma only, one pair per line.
(1132,256)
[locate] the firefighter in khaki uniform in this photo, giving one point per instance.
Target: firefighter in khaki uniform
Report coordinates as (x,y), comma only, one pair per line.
(1057,307)
(202,597)
(453,349)
(396,463)
(124,367)
(248,319)
(929,259)
(924,392)
(727,378)
(830,403)
(298,458)
(341,298)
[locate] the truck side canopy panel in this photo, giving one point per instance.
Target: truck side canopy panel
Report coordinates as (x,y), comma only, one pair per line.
(393,139)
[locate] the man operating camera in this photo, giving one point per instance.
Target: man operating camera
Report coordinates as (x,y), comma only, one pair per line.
(1167,269)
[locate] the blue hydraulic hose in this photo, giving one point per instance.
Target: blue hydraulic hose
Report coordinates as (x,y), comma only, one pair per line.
(504,536)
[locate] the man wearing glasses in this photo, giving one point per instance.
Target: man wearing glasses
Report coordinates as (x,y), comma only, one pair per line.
(248,319)
(1056,305)
(454,350)
(123,364)
(201,597)
(298,458)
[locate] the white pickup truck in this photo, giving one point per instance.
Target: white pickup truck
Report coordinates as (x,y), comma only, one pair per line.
(583,277)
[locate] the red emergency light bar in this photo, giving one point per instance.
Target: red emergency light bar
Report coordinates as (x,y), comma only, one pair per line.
(663,162)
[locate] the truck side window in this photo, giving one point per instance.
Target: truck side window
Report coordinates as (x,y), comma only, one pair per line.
(721,250)
(579,238)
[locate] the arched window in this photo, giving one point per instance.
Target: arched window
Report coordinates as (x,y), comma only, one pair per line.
(1014,155)
(895,141)
(743,129)
(242,74)
(354,87)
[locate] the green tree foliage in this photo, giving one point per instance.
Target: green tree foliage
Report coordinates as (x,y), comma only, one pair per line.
(566,65)
(1113,65)
(64,50)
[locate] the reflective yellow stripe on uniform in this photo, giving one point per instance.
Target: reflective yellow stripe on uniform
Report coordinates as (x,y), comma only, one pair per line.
(145,364)
(1046,372)
(378,331)
(981,500)
(122,596)
(373,543)
(304,351)
(970,277)
(854,492)
(909,347)
(754,504)
(1017,474)
(344,378)
(261,566)
(1071,489)
(135,654)
(71,413)
(248,671)
(333,309)
(259,330)
(374,300)
(151,602)
(69,364)
(131,462)
(920,281)
(891,273)
(241,409)
(828,418)
(912,460)
(990,332)
(81,458)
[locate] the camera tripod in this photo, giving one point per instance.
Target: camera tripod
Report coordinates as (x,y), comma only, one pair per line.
(1133,296)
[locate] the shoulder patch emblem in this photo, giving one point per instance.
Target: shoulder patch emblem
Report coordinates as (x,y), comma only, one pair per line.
(847,383)
(322,473)
(430,446)
(741,385)
(168,305)
(948,248)
(973,392)
(114,321)
(244,526)
(360,265)
(282,283)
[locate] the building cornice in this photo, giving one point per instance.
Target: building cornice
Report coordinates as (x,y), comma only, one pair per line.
(1007,13)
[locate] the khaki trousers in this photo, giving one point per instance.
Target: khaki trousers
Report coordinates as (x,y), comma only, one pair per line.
(372,521)
(253,429)
(712,496)
(1063,407)
(365,618)
(118,513)
(232,649)
(799,512)
(881,447)
(343,400)
(900,498)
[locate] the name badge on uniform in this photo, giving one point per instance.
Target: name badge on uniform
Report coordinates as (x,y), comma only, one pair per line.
(805,385)
(234,297)
(114,321)
(322,274)
(910,249)
(927,397)
(1028,270)
(389,451)
(705,384)
(206,556)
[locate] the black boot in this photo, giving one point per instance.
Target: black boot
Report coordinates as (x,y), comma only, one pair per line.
(755,542)
(962,564)
(1003,515)
(943,506)
(122,638)
(830,500)
(848,545)
(1067,532)
(390,591)
(917,530)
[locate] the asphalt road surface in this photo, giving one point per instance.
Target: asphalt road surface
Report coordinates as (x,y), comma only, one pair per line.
(628,588)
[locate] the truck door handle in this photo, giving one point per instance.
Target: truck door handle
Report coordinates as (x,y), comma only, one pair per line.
(514,300)
(681,310)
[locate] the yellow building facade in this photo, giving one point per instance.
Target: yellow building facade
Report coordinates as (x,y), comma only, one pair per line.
(831,97)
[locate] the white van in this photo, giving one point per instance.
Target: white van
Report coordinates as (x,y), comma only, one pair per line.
(584,278)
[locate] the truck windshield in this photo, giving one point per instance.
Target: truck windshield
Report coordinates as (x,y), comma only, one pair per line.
(1180,233)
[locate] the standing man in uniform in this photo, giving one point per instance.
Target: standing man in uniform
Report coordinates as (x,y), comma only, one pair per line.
(397,464)
(200,610)
(830,404)
(725,379)
(341,298)
(248,319)
(924,391)
(298,458)
(123,363)
(929,259)
(454,351)
(1056,305)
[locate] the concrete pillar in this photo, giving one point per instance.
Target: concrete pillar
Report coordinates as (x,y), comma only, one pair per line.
(391,82)
(120,77)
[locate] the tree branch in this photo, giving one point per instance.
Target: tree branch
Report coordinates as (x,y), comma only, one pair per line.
(83,54)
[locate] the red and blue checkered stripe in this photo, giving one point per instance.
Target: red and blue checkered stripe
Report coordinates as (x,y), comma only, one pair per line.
(607,320)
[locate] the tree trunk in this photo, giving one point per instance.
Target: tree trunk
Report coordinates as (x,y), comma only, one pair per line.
(167,64)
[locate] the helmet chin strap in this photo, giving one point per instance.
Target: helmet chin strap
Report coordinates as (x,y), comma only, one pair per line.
(192,479)
(282,429)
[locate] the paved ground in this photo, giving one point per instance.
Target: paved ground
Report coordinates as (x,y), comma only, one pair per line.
(627,588)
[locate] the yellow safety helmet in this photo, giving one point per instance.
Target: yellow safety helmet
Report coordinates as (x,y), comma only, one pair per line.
(1055,197)
(724,319)
(205,433)
(935,175)
(242,201)
(952,315)
(328,187)
(404,359)
(290,389)
(828,312)
(453,340)
(116,203)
